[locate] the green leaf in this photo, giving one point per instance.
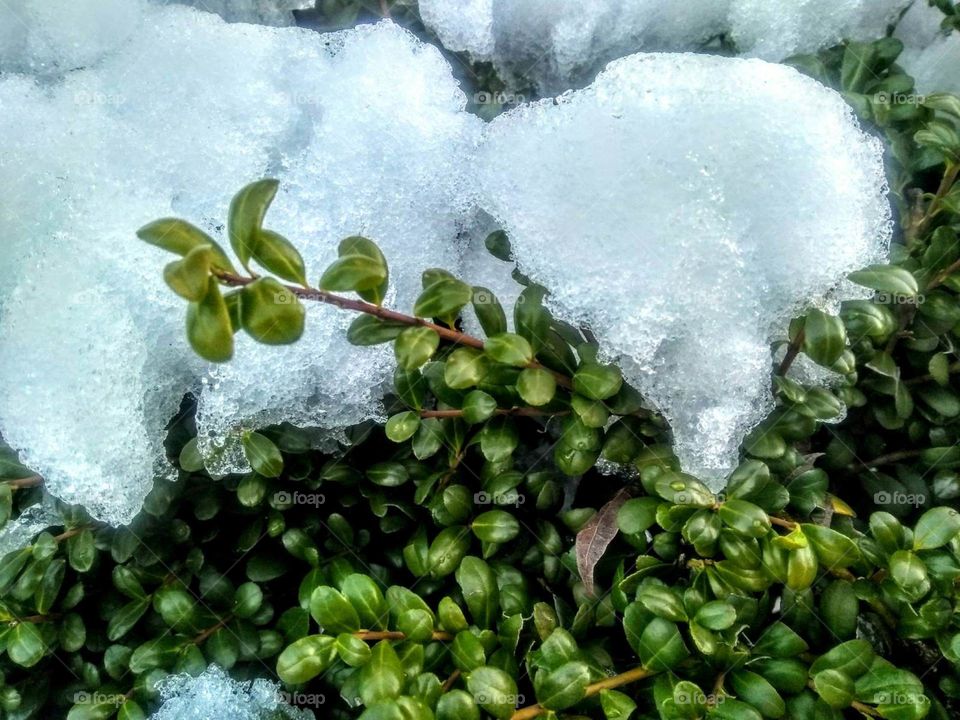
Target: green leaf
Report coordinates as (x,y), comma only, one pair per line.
(489,311)
(465,368)
(509,349)
(661,646)
(25,645)
(123,620)
(270,313)
(754,689)
(479,589)
(357,245)
(597,382)
(358,273)
(304,659)
(936,528)
(716,615)
(388,474)
(478,406)
(745,518)
(833,549)
(498,245)
(444,297)
(564,687)
(190,458)
(402,426)
(364,595)
(245,220)
(887,279)
(495,526)
(824,337)
(493,690)
(332,611)
(537,386)
(910,574)
(81,551)
(352,650)
(447,550)
(370,330)
(277,255)
(414,346)
(457,705)
(49,587)
(189,277)
(940,136)
(616,705)
(262,454)
(209,328)
(382,677)
(180,237)
(498,439)
(835,688)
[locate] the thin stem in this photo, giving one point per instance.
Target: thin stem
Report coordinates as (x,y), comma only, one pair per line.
(783,522)
(448,334)
(949,178)
(397,635)
(202,637)
(67,534)
(616,681)
(451,680)
(519,411)
(792,351)
(890,458)
(27,482)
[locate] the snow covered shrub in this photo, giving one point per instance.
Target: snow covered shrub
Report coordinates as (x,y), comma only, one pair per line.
(516,538)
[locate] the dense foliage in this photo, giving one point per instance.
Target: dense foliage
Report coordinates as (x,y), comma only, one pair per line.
(469,558)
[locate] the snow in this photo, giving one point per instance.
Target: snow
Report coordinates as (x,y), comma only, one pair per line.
(931,55)
(558,44)
(93,361)
(260,12)
(214,695)
(673,207)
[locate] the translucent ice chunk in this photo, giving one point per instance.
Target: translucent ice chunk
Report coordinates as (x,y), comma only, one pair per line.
(47,37)
(558,44)
(931,55)
(214,695)
(673,207)
(93,360)
(260,12)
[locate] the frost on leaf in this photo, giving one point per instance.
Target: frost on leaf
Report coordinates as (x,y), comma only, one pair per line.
(673,207)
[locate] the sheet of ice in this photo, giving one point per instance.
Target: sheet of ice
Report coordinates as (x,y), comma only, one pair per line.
(557,44)
(49,37)
(214,695)
(20,532)
(931,55)
(93,360)
(259,12)
(673,207)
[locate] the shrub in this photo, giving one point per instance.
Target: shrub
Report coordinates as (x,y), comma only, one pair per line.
(445,565)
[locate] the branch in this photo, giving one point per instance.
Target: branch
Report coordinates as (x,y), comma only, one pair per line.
(27,482)
(616,681)
(450,335)
(792,351)
(397,635)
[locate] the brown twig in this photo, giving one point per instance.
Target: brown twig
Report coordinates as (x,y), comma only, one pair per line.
(616,681)
(449,335)
(518,411)
(451,680)
(890,458)
(793,349)
(397,635)
(202,637)
(27,482)
(949,178)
